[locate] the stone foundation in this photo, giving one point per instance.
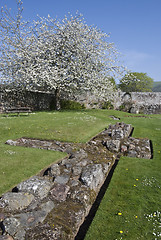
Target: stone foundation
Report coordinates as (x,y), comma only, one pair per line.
(55,203)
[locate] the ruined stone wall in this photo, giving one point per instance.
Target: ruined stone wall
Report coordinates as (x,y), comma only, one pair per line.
(138,102)
(55,203)
(35,100)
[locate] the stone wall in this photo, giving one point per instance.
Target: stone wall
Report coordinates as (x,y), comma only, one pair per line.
(139,102)
(35,100)
(136,102)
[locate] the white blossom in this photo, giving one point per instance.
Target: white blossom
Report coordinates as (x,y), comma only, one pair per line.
(55,54)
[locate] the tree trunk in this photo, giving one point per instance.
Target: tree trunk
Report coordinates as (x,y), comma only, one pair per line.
(57,99)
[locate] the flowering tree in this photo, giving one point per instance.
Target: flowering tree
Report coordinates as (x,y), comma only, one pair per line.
(65,56)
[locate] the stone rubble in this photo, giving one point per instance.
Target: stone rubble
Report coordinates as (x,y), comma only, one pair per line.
(119,140)
(54,204)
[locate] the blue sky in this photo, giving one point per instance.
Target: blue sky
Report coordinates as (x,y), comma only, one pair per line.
(134,25)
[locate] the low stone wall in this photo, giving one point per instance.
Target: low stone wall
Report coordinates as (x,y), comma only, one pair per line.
(136,102)
(54,204)
(35,100)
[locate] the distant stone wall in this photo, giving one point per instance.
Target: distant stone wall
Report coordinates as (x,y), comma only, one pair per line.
(35,100)
(140,102)
(136,102)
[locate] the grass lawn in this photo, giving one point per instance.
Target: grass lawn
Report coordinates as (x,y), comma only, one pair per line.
(131,207)
(17,163)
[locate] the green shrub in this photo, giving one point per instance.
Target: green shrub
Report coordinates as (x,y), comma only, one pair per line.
(122,107)
(126,106)
(107,105)
(71,105)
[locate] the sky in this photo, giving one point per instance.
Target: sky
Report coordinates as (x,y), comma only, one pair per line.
(134,26)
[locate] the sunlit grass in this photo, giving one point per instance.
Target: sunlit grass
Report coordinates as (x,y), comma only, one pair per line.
(134,191)
(17,163)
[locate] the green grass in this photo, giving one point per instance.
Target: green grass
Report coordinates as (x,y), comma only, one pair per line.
(134,192)
(135,188)
(17,163)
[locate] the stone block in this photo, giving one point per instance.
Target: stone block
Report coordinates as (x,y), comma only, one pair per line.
(55,170)
(113,145)
(17,201)
(92,176)
(37,186)
(62,179)
(59,192)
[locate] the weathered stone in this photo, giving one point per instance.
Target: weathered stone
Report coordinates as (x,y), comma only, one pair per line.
(114,118)
(76,216)
(6,237)
(11,142)
(92,176)
(55,170)
(12,225)
(74,183)
(123,148)
(119,131)
(80,154)
(30,219)
(68,216)
(134,110)
(113,145)
(25,140)
(59,192)
(117,134)
(20,234)
(17,201)
(36,185)
(47,206)
(132,153)
(2,216)
(83,195)
(131,146)
(67,170)
(139,148)
(68,163)
(146,155)
(83,163)
(147,102)
(77,170)
(62,179)
(106,167)
(43,232)
(18,224)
